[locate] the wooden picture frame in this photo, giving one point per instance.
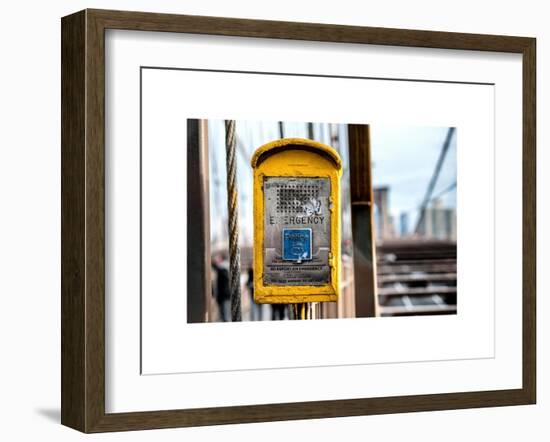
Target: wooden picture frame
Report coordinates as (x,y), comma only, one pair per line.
(83,219)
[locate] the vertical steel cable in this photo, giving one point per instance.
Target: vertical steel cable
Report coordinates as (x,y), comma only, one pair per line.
(233,221)
(434,177)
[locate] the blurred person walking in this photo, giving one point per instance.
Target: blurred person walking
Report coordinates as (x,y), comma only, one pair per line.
(223,292)
(278,312)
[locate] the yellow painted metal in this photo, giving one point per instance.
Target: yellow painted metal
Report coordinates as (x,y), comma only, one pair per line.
(296,157)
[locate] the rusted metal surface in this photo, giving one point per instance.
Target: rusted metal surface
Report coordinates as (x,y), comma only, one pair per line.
(362,210)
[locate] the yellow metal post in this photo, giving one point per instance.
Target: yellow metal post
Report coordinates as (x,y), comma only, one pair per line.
(296,159)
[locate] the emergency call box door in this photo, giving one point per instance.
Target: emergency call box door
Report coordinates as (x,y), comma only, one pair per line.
(296,231)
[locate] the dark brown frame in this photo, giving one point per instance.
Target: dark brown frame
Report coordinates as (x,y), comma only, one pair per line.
(83,213)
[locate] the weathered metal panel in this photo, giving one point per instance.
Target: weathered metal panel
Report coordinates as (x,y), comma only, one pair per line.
(296,231)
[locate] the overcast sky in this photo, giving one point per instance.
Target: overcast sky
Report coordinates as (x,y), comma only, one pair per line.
(403,158)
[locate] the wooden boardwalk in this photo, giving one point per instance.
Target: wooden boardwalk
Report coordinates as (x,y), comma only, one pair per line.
(416,278)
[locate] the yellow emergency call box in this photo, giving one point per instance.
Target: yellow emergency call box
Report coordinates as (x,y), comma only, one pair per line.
(296,222)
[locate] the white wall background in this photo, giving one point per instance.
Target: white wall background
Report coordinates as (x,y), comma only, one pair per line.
(30,217)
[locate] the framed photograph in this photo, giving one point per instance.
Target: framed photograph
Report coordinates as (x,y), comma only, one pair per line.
(269,220)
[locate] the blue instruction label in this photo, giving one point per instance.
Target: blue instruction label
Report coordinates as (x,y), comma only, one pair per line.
(296,244)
